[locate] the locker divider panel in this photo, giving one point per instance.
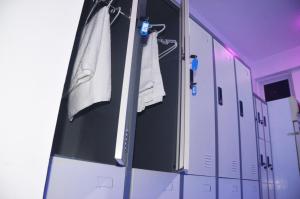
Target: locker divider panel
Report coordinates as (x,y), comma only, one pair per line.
(91,135)
(228,132)
(202,106)
(247,122)
(156,127)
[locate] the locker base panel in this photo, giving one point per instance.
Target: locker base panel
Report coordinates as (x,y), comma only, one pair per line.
(196,187)
(147,184)
(76,179)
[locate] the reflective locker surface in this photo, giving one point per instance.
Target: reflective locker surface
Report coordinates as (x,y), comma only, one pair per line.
(247,122)
(202,107)
(196,187)
(250,189)
(228,134)
(229,189)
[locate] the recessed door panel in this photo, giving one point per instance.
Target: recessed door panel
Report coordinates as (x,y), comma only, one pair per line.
(228,134)
(247,122)
(202,106)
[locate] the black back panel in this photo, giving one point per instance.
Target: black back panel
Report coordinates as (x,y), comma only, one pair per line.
(92,134)
(156,129)
(277,90)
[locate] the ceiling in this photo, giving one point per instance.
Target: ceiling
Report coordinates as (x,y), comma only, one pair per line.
(255,28)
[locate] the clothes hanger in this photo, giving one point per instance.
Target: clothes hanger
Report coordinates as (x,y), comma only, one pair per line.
(117,15)
(170,49)
(163,27)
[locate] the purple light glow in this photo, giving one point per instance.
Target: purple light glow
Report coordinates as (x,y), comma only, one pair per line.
(232,52)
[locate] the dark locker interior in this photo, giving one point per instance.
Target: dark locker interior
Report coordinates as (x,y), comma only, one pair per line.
(92,134)
(156,127)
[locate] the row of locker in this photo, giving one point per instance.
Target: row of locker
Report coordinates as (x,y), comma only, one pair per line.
(150,150)
(265,150)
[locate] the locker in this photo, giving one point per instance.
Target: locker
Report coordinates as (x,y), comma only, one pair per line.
(250,189)
(259,118)
(229,189)
(266,122)
(263,161)
(148,184)
(271,191)
(228,134)
(196,187)
(269,162)
(202,106)
(96,136)
(247,122)
(78,179)
(265,191)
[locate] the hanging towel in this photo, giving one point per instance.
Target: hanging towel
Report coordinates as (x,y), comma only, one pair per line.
(91,76)
(151,90)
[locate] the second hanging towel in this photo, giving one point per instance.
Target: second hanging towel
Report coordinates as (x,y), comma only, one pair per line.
(151,89)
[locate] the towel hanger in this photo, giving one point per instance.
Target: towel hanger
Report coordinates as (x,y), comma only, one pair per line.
(163,27)
(170,49)
(109,5)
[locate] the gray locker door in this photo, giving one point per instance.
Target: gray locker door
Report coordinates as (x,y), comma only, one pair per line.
(269,162)
(196,187)
(228,134)
(259,118)
(265,121)
(247,122)
(263,161)
(265,191)
(202,106)
(229,189)
(250,189)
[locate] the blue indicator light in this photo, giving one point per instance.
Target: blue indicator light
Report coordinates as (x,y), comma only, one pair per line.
(195,64)
(194,90)
(145,29)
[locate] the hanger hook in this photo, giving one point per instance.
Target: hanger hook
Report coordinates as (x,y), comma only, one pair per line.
(117,15)
(109,4)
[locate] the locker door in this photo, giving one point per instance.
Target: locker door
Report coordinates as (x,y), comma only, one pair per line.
(202,107)
(259,118)
(247,122)
(265,122)
(269,162)
(229,189)
(265,191)
(263,161)
(196,187)
(250,189)
(228,134)
(271,191)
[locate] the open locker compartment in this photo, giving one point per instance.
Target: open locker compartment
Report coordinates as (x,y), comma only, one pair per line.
(156,158)
(88,144)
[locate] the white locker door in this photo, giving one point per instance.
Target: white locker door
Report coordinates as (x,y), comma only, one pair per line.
(247,122)
(196,187)
(265,191)
(265,121)
(229,189)
(259,118)
(146,184)
(263,161)
(202,106)
(271,191)
(269,162)
(228,134)
(36,41)
(250,189)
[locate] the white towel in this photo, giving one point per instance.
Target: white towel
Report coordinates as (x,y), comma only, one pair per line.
(151,90)
(91,76)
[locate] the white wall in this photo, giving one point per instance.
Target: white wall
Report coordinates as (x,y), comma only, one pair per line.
(287,62)
(36,40)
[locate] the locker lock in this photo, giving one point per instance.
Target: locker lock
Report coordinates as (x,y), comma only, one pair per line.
(194,67)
